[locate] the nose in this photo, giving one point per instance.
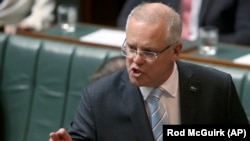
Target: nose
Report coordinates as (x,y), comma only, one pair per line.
(138,57)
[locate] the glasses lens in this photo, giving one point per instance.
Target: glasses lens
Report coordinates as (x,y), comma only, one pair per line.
(150,56)
(130,53)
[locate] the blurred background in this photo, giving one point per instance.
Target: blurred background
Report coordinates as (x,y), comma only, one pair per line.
(104,12)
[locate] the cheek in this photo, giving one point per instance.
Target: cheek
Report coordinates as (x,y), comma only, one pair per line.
(164,65)
(128,62)
(155,69)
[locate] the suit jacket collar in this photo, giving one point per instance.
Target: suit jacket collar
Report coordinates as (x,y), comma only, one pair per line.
(133,101)
(189,93)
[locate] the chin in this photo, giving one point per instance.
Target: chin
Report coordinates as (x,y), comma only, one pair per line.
(135,81)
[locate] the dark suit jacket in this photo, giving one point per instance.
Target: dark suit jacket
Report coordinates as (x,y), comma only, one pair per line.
(112,109)
(231,17)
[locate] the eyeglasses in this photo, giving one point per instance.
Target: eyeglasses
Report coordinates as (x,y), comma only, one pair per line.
(147,55)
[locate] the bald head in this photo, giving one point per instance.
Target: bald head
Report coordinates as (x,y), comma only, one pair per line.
(153,13)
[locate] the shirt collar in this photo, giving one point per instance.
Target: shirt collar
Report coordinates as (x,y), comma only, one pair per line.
(170,85)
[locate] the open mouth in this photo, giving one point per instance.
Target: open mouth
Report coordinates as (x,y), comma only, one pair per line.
(136,72)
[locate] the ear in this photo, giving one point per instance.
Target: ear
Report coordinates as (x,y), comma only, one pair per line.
(177,50)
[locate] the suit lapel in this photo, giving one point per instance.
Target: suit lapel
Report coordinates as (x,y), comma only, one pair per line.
(189,94)
(134,104)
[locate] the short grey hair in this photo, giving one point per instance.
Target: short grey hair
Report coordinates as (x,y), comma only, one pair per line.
(159,12)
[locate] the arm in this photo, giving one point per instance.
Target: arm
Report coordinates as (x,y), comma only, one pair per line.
(236,112)
(83,126)
(42,15)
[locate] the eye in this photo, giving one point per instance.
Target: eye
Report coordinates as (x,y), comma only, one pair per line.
(147,53)
(131,47)
(131,50)
(147,50)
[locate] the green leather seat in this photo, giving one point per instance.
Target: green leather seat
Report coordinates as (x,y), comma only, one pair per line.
(245,99)
(17,85)
(3,41)
(42,84)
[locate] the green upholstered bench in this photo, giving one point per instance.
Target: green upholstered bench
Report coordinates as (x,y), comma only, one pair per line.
(41,83)
(245,97)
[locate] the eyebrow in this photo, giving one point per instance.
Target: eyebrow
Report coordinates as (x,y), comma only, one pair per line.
(144,48)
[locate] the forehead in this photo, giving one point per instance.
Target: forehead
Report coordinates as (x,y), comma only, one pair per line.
(141,32)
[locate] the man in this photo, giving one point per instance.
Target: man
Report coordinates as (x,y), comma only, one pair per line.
(229,16)
(115,107)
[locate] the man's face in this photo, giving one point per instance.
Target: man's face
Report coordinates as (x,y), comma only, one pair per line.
(141,36)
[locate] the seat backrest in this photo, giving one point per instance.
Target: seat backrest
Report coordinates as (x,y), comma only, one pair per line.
(17,87)
(245,99)
(3,40)
(42,82)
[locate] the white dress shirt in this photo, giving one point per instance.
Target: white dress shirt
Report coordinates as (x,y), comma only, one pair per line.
(170,98)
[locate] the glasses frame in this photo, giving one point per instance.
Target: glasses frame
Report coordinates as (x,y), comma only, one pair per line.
(156,53)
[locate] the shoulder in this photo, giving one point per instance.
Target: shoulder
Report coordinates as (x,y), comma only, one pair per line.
(201,70)
(108,86)
(110,81)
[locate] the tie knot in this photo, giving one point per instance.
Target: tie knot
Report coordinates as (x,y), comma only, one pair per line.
(157,92)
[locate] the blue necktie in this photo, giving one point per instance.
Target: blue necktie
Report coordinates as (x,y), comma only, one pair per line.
(158,115)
